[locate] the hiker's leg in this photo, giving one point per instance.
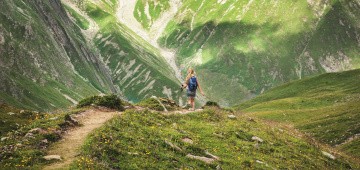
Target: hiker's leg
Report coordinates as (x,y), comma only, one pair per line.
(193,103)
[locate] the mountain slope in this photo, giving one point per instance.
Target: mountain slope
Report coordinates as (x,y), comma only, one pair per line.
(45,61)
(56,53)
(136,66)
(252,46)
(326,107)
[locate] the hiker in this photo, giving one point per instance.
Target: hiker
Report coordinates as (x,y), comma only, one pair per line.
(192,85)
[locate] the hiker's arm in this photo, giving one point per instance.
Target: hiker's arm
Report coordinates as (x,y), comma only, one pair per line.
(201,91)
(185,83)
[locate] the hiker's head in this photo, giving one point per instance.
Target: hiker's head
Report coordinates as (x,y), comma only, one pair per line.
(191,71)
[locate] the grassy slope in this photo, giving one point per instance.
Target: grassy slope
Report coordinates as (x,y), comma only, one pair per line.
(136,140)
(326,106)
(252,49)
(20,152)
(44,57)
(136,66)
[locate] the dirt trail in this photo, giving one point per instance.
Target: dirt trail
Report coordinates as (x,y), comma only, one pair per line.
(68,147)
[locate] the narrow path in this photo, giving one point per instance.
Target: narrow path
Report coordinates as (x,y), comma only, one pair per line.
(68,147)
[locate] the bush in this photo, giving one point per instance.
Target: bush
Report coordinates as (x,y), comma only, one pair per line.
(88,101)
(109,101)
(212,104)
(152,104)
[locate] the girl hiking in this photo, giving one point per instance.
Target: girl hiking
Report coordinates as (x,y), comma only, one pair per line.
(192,85)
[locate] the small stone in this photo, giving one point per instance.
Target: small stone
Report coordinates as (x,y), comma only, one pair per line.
(201,158)
(22,111)
(187,140)
(212,156)
(52,157)
(255,138)
(45,141)
(173,145)
(328,155)
(37,130)
(19,145)
(260,162)
(29,135)
(251,119)
(231,116)
(10,113)
(218,167)
(54,118)
(4,138)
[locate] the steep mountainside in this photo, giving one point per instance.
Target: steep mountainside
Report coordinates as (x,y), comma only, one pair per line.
(45,61)
(251,46)
(54,54)
(326,107)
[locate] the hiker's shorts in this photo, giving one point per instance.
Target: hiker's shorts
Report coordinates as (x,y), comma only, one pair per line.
(190,93)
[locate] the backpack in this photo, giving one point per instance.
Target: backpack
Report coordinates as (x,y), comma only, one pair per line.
(192,83)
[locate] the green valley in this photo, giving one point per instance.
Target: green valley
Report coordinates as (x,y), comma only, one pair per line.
(98,84)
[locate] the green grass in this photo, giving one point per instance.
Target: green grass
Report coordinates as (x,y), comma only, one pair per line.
(136,140)
(326,107)
(20,152)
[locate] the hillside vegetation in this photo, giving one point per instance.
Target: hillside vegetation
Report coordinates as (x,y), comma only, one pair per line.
(326,107)
(252,46)
(151,140)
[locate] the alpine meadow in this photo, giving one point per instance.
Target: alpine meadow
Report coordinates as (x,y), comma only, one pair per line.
(180,84)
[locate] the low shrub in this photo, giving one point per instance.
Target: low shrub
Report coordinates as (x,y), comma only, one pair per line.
(109,101)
